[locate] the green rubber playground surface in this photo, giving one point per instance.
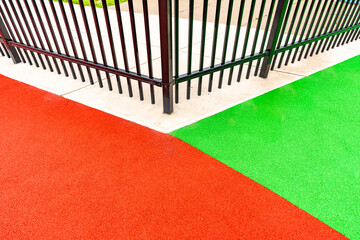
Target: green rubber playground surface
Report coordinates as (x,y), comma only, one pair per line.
(301,141)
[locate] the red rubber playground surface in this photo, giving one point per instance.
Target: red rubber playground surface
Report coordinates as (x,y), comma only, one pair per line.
(71,172)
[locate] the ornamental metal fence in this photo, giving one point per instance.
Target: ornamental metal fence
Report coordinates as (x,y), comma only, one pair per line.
(172,44)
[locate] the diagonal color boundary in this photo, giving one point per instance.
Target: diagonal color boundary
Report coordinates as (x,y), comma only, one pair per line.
(300,141)
(68,171)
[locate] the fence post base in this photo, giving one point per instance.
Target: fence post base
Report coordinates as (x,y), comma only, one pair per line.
(6,37)
(168,98)
(265,68)
(274,36)
(166,54)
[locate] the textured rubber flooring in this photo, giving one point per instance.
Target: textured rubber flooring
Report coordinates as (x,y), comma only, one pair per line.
(71,172)
(300,141)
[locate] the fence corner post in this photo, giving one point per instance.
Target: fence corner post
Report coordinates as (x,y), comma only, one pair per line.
(166,54)
(6,37)
(273,37)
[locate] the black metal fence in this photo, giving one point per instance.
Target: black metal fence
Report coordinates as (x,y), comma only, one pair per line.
(222,41)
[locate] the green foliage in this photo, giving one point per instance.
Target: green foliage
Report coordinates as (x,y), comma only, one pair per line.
(98,3)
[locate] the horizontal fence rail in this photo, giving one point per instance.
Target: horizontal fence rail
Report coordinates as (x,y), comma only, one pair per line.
(172,48)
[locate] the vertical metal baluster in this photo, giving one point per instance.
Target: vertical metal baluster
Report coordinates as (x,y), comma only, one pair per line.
(354,32)
(90,41)
(247,35)
(348,23)
(358,32)
(81,42)
(123,44)
(352,22)
(226,40)
(37,33)
(148,47)
(12,34)
(135,44)
(346,18)
(343,20)
(5,26)
(203,40)
(22,30)
(351,36)
(101,44)
(236,40)
(3,46)
(355,20)
(5,50)
(40,20)
(57,22)
(266,30)
(304,28)
(5,38)
(357,36)
(72,43)
(176,47)
(1,51)
(292,24)
(111,42)
(297,31)
(316,28)
(310,28)
(190,45)
(282,33)
(25,20)
(333,25)
(257,31)
(216,29)
(54,38)
(323,25)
